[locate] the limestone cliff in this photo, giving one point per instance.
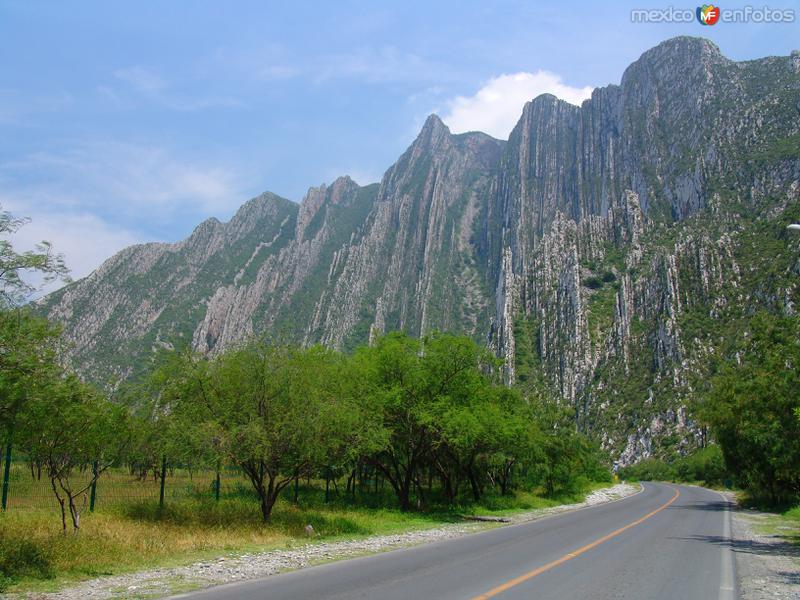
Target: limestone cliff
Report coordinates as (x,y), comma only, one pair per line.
(596,251)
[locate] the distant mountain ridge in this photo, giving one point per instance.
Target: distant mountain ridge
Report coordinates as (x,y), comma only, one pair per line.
(586,248)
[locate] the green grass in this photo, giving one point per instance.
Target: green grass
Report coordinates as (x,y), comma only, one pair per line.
(784,525)
(35,555)
(134,534)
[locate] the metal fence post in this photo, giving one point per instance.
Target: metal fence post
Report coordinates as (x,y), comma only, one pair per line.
(6,473)
(217,484)
(93,494)
(163,478)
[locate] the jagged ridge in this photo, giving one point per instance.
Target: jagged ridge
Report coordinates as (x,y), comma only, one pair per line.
(569,248)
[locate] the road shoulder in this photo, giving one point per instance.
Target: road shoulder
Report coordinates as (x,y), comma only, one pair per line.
(160,582)
(767,560)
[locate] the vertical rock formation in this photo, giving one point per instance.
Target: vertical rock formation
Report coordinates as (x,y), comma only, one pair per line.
(597,251)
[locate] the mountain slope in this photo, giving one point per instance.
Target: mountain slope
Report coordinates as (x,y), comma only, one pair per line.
(597,250)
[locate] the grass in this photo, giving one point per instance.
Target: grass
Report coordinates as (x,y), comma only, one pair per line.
(134,534)
(783,525)
(36,555)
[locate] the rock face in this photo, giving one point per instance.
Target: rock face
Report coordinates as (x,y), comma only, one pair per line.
(595,250)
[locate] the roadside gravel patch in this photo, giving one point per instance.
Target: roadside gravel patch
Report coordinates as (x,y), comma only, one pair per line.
(155,583)
(767,564)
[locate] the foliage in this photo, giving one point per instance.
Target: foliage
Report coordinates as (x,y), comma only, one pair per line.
(705,465)
(28,352)
(750,404)
(67,428)
(649,469)
(410,412)
(13,265)
(279,413)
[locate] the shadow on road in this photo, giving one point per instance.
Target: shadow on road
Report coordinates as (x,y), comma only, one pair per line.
(713,506)
(783,545)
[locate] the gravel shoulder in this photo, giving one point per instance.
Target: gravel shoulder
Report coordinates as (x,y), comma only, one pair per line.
(767,555)
(160,582)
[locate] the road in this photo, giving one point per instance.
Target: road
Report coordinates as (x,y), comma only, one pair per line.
(666,542)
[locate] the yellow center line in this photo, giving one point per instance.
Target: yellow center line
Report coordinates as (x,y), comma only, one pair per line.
(567,557)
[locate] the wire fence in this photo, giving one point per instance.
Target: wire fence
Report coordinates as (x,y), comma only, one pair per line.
(28,488)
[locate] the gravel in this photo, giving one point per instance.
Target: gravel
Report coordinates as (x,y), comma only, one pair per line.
(767,565)
(160,582)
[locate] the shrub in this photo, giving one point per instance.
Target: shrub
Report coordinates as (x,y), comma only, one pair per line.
(649,469)
(706,465)
(19,558)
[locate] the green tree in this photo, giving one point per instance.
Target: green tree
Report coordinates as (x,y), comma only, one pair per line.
(426,393)
(27,344)
(76,434)
(279,413)
(14,265)
(28,352)
(750,405)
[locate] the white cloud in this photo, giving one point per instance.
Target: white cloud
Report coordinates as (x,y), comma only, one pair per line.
(386,64)
(84,239)
(497,106)
(133,177)
(141,79)
(16,106)
(148,84)
(92,199)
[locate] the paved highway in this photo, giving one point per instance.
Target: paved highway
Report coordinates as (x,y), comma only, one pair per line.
(666,542)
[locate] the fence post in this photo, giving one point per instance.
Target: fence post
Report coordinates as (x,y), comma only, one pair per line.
(93,494)
(217,484)
(6,473)
(163,477)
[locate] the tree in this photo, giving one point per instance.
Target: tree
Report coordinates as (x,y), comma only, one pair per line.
(13,265)
(750,404)
(28,351)
(76,434)
(426,393)
(279,413)
(28,348)
(26,343)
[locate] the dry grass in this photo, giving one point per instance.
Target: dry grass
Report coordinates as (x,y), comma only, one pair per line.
(129,530)
(124,537)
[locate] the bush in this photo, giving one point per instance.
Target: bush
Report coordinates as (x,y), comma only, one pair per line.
(19,558)
(649,469)
(706,465)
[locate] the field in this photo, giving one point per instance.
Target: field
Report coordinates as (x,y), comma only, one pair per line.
(129,530)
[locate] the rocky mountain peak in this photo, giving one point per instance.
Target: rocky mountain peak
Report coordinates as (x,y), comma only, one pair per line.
(341,191)
(585,250)
(679,59)
(432,134)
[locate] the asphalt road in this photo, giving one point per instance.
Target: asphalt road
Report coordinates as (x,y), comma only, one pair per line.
(666,542)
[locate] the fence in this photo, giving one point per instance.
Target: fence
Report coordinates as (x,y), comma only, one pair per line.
(27,488)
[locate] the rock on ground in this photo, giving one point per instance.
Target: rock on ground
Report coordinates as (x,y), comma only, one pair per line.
(767,565)
(164,581)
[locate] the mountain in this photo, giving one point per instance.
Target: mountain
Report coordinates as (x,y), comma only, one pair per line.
(602,251)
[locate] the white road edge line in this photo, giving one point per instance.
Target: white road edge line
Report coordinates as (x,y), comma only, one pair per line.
(727,583)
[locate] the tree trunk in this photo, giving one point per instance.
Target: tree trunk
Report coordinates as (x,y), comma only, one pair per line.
(473,482)
(61,504)
(75,512)
(267,503)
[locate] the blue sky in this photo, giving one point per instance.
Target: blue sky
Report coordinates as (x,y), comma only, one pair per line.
(123,122)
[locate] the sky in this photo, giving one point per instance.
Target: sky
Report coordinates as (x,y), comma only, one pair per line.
(126,122)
